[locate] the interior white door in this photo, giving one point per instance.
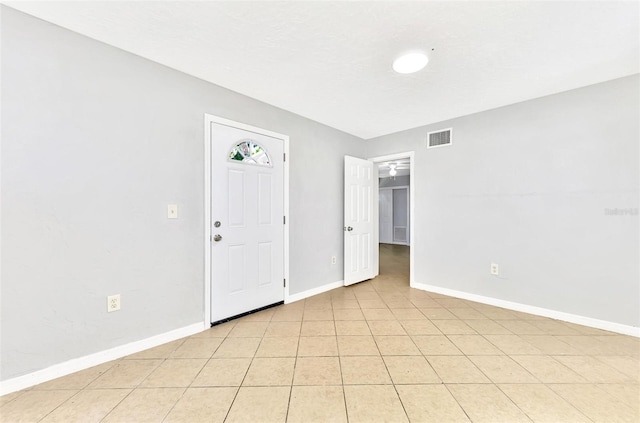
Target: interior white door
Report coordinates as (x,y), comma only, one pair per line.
(360,220)
(386,215)
(247,206)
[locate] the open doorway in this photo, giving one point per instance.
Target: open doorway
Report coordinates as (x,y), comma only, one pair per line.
(395,218)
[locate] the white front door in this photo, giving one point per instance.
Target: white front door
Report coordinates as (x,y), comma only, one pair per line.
(360,220)
(247,208)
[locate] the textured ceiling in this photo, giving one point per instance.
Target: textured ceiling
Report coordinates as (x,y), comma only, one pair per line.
(331,61)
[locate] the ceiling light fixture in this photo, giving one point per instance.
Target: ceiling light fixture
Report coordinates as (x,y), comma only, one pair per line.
(392,170)
(410,63)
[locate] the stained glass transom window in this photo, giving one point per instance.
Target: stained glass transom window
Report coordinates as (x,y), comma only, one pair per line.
(250,152)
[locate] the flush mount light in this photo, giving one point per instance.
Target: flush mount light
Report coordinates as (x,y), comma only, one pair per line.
(410,63)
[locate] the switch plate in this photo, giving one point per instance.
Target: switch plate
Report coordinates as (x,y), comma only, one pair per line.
(113,303)
(172,211)
(495,270)
(334,259)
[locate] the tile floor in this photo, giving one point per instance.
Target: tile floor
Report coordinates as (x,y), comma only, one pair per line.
(376,351)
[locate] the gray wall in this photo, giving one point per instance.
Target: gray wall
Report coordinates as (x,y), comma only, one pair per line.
(95,143)
(398,181)
(527,186)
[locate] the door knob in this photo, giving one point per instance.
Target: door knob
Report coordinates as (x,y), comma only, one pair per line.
(348,228)
(217,238)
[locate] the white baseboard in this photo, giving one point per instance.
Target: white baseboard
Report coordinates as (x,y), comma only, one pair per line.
(538,311)
(311,292)
(81,363)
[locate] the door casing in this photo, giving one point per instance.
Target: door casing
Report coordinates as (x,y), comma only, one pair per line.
(208,120)
(412,202)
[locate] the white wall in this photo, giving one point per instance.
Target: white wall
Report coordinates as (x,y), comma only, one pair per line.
(527,186)
(95,143)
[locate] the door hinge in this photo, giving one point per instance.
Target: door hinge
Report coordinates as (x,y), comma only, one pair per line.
(284,157)
(284,220)
(284,283)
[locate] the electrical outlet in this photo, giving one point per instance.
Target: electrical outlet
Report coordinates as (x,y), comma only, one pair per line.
(172,211)
(334,259)
(113,303)
(494,269)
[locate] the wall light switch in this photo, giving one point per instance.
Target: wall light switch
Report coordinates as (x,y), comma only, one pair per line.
(172,211)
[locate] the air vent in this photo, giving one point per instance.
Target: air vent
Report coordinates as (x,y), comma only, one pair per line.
(439,138)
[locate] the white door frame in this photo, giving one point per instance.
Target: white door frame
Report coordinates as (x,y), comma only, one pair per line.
(412,203)
(208,120)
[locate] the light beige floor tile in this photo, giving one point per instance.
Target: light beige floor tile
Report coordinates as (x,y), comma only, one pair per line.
(550,345)
(593,370)
(521,327)
(397,345)
(554,327)
(364,371)
(375,403)
(423,303)
(548,370)
(588,345)
(467,313)
(408,314)
(317,346)
(287,315)
(434,314)
(200,405)
(159,352)
(410,370)
(487,404)
(624,345)
(378,314)
(454,327)
(339,304)
(217,331)
(237,347)
(7,398)
(542,405)
(496,313)
(367,295)
(87,406)
(223,372)
(357,345)
(126,374)
(435,345)
(474,345)
(278,347)
(282,329)
(78,380)
(396,302)
(502,369)
(317,371)
(318,328)
(377,303)
(314,314)
(596,404)
(174,373)
(456,369)
(356,327)
(628,365)
(430,404)
(197,348)
(513,345)
(487,327)
(260,404)
(629,393)
(270,372)
(418,327)
(317,404)
(388,327)
(145,405)
(315,303)
(32,406)
(449,302)
(248,330)
(347,314)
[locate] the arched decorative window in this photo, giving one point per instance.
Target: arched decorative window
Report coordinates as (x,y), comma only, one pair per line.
(250,152)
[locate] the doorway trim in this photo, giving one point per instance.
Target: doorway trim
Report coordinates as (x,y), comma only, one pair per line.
(208,120)
(412,203)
